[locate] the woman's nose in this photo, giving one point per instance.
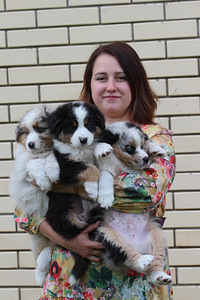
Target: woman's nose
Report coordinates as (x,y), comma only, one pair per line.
(111,87)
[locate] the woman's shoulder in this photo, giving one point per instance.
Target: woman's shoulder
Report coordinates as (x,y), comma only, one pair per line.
(155,129)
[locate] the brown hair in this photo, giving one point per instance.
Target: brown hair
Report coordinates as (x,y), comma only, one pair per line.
(144,100)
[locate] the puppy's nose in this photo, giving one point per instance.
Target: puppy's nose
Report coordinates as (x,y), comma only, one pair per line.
(83,140)
(31,145)
(146,159)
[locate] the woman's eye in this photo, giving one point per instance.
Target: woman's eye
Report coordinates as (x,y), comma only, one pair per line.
(130,149)
(101,78)
(121,78)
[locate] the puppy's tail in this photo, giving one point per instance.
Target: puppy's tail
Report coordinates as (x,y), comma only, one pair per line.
(80,267)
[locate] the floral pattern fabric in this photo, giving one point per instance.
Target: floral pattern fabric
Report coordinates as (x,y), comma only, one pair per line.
(139,192)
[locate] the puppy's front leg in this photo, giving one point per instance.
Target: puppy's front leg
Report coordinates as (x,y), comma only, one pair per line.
(90,178)
(106,189)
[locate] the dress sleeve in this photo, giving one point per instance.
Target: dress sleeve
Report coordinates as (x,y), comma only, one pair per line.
(145,190)
(28,222)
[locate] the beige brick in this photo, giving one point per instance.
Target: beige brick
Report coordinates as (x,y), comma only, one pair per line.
(189,124)
(10,20)
(4,187)
(4,113)
(69,16)
(186,292)
(69,54)
(39,74)
(173,274)
(170,237)
(180,48)
(187,143)
(184,257)
(162,121)
(188,162)
(30,294)
(95,2)
(131,13)
(183,10)
(15,57)
(162,30)
(187,181)
(101,33)
(184,86)
(26,259)
(9,294)
(188,238)
(187,200)
(38,37)
(2,39)
(15,241)
(188,275)
(7,131)
(6,167)
(31,4)
(147,50)
(17,278)
(18,111)
(6,205)
(178,106)
(60,92)
(171,68)
(169,201)
(77,72)
(158,86)
(1,4)
(179,219)
(5,150)
(18,94)
(8,260)
(7,223)
(3,77)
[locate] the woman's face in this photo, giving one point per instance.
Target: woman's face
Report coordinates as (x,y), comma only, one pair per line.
(110,90)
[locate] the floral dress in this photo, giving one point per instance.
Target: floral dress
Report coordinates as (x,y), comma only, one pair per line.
(139,192)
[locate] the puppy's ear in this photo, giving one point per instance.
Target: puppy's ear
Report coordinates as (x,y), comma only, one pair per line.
(108,137)
(154,150)
(54,123)
(17,133)
(99,116)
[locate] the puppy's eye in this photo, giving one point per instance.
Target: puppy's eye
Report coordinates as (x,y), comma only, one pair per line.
(130,149)
(39,129)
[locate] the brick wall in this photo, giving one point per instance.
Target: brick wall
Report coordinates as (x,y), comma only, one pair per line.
(44,46)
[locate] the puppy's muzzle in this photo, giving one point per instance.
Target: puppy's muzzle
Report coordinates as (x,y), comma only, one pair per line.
(146,160)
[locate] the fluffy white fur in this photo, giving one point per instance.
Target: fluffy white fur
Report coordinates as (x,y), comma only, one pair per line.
(34,162)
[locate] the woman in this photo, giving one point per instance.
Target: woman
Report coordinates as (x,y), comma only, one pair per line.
(116,82)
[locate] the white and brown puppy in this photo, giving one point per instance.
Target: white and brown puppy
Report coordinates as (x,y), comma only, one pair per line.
(144,247)
(34,162)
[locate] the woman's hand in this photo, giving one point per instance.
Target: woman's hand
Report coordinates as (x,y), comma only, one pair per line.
(81,244)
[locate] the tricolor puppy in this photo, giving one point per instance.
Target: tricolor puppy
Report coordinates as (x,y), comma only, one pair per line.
(34,162)
(76,127)
(132,240)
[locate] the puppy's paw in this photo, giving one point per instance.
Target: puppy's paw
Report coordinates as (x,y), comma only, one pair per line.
(52,169)
(106,199)
(44,259)
(92,189)
(40,277)
(145,261)
(156,150)
(44,183)
(159,277)
(73,281)
(102,149)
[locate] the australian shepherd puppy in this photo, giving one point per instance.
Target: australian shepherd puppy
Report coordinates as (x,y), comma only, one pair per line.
(132,240)
(76,127)
(35,170)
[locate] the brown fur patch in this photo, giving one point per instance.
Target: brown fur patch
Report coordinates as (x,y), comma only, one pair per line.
(65,138)
(90,174)
(124,157)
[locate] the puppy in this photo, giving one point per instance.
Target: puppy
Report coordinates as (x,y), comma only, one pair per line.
(146,250)
(34,162)
(76,127)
